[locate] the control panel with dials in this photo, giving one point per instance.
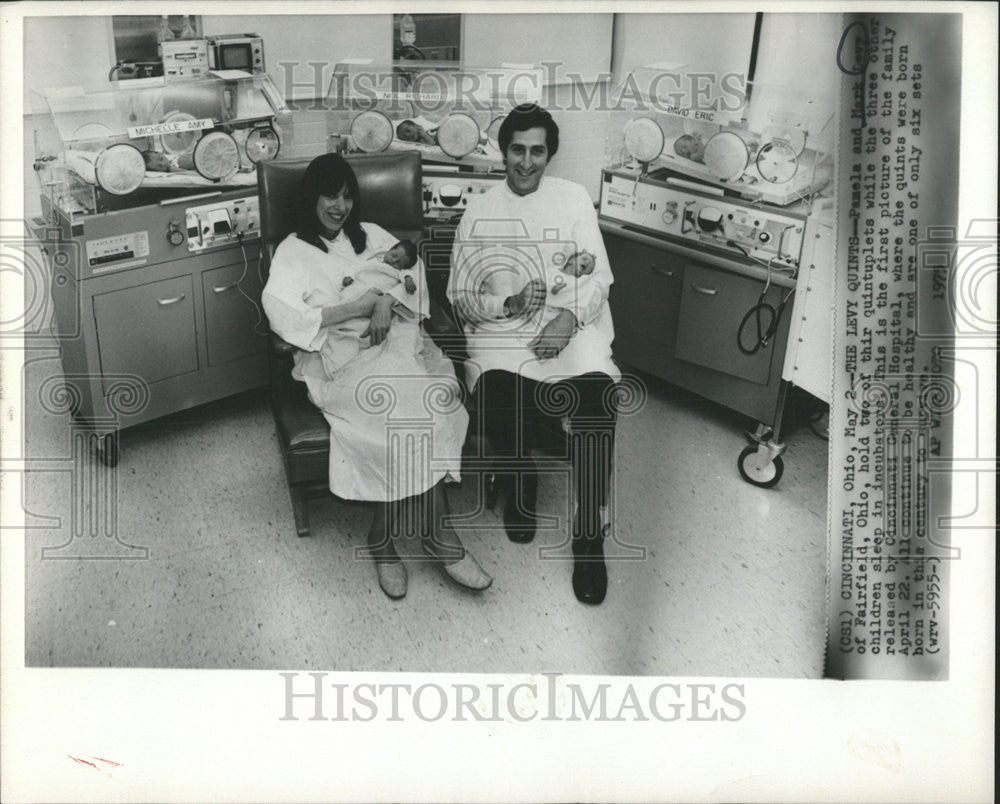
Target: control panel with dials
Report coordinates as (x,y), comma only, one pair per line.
(698,214)
(446,192)
(222,223)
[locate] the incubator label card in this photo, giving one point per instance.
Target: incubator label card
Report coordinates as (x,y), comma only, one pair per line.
(895,361)
(174,127)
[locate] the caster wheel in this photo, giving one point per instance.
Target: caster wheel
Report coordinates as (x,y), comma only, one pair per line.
(755,474)
(107,449)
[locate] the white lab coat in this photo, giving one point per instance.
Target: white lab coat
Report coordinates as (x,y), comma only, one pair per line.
(397,423)
(506,240)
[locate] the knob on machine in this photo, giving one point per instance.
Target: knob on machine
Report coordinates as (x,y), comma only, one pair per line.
(709,219)
(174,233)
(449,194)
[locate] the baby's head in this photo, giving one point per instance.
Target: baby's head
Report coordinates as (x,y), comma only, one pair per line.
(690,147)
(580,264)
(408,131)
(401,256)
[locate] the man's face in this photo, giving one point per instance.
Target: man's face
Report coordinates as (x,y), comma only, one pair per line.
(527,156)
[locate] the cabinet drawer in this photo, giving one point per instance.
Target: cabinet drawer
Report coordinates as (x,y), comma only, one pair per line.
(646,293)
(147,330)
(234,327)
(713,303)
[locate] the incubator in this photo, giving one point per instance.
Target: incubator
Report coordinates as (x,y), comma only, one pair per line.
(716,198)
(151,230)
(715,161)
(145,140)
(767,143)
(450,114)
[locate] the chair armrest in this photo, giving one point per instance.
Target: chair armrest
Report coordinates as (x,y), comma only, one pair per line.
(280,346)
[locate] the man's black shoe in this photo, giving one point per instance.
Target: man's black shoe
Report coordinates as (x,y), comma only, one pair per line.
(519,519)
(590,573)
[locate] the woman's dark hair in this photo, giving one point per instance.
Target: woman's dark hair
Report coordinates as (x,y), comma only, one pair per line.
(523,117)
(327,175)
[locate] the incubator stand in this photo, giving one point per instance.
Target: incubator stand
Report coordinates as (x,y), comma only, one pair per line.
(151,230)
(455,112)
(718,199)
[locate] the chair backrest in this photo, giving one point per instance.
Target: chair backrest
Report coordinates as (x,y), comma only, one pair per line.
(390,185)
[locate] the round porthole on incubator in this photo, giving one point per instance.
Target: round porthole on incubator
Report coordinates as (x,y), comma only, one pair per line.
(493,131)
(643,139)
(371,131)
(216,155)
(726,156)
(777,162)
(119,169)
(262,144)
(458,135)
(179,142)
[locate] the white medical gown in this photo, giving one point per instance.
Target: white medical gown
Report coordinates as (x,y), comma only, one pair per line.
(397,422)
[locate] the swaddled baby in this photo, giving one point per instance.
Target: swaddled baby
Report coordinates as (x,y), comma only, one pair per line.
(382,273)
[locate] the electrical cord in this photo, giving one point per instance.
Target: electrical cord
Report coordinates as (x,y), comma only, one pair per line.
(749,256)
(246,267)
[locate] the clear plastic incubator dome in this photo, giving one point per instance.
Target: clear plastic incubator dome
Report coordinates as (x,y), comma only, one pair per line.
(144,140)
(450,114)
(766,143)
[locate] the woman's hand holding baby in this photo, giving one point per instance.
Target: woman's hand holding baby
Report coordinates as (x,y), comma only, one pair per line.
(381,319)
(361,307)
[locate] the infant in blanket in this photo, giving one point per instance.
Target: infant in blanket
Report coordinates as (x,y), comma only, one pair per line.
(383,273)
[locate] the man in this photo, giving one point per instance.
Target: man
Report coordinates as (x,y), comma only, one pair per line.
(540,345)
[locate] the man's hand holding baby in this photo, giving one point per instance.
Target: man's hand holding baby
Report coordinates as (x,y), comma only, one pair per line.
(530,298)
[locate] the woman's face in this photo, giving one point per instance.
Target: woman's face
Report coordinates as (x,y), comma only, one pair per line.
(332,211)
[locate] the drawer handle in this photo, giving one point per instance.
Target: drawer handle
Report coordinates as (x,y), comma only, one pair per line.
(661,271)
(224,288)
(706,291)
(174,300)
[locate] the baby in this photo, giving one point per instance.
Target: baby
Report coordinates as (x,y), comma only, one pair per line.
(387,270)
(409,131)
(570,282)
(393,267)
(579,264)
(690,147)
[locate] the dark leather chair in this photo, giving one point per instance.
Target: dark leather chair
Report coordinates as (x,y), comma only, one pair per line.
(390,185)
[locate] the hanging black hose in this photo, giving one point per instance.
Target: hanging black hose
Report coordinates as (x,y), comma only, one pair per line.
(764,333)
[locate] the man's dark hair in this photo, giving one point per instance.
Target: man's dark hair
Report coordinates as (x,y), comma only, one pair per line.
(327,175)
(523,117)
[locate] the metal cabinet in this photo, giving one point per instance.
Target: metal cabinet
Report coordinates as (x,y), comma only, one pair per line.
(713,306)
(677,313)
(147,330)
(234,326)
(645,302)
(150,327)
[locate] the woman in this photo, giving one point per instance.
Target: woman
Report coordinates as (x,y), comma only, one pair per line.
(396,420)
